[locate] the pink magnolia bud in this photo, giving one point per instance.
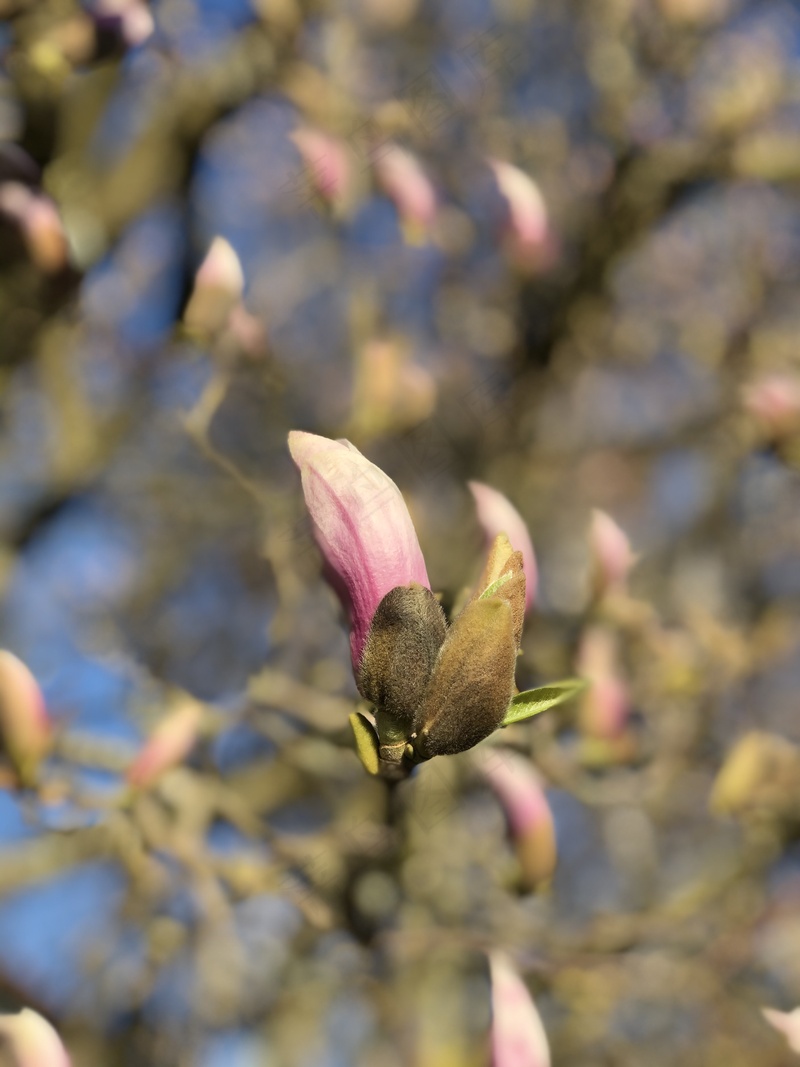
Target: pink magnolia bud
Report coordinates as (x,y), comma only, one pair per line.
(605,705)
(528,224)
(131,19)
(786,1023)
(362,526)
(39,223)
(518,1037)
(30,1041)
(611,553)
(25,729)
(218,288)
(171,741)
(328,162)
(774,402)
(402,178)
(518,788)
(497,515)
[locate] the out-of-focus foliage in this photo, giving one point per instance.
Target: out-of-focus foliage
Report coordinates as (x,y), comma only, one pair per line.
(551,245)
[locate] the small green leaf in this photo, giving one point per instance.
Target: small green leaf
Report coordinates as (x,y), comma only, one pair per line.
(366,741)
(534,701)
(490,590)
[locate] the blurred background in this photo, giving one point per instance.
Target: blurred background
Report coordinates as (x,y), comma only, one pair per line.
(552,246)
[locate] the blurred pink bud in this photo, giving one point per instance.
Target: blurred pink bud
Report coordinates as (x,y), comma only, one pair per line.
(786,1023)
(30,1041)
(39,222)
(218,288)
(362,526)
(25,728)
(774,401)
(519,789)
(518,1037)
(605,705)
(328,163)
(131,19)
(170,743)
(528,223)
(497,515)
(402,178)
(610,550)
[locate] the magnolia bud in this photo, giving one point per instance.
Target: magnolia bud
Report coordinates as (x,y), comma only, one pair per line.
(31,1041)
(170,743)
(519,789)
(605,705)
(402,178)
(496,515)
(436,690)
(528,227)
(786,1023)
(329,165)
(760,773)
(518,1037)
(611,553)
(218,288)
(25,729)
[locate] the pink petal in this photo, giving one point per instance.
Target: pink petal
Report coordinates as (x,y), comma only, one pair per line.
(31,1041)
(362,526)
(497,514)
(786,1023)
(518,1037)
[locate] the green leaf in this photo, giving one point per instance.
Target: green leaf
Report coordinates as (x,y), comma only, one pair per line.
(490,590)
(535,701)
(366,741)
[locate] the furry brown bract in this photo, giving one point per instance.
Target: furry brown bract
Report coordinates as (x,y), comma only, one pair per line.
(473,682)
(402,646)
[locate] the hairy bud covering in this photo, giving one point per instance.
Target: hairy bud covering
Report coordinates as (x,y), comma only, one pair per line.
(402,645)
(472,683)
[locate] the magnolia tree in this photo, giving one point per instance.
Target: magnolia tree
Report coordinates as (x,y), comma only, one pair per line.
(499,274)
